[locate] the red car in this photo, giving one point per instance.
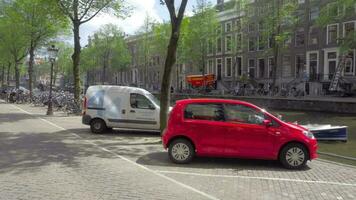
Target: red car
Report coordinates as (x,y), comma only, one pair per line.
(230,128)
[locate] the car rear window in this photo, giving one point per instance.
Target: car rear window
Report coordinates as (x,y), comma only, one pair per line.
(204,111)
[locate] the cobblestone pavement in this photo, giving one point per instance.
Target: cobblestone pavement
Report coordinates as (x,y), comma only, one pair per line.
(57,157)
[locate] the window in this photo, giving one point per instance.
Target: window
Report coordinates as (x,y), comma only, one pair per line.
(332,33)
(210,67)
(235,113)
(251,27)
(300,15)
(301,1)
(261,43)
(238,41)
(261,26)
(210,48)
(299,37)
(238,25)
(228,26)
(238,69)
(218,45)
(299,65)
(314,13)
(204,111)
(251,44)
(313,36)
(228,66)
(228,43)
(139,101)
(349,27)
(251,68)
(286,66)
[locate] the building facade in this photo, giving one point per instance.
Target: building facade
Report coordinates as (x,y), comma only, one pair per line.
(309,61)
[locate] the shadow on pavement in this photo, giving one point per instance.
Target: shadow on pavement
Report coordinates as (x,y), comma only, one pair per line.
(24,152)
(161,159)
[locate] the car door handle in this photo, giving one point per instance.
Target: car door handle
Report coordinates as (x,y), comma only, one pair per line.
(132,111)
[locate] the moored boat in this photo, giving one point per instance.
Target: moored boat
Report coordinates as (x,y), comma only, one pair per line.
(328,132)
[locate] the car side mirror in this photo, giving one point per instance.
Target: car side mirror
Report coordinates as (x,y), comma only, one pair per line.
(267,123)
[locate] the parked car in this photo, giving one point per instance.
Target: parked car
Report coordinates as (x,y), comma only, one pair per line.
(108,107)
(230,128)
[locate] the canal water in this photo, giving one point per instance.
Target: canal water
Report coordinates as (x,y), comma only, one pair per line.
(340,148)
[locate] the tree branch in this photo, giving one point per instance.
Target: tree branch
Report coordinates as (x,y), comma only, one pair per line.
(97,12)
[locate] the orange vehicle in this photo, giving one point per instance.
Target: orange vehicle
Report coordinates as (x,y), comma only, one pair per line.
(196,81)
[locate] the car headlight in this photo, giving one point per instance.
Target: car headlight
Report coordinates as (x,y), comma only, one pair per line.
(308,134)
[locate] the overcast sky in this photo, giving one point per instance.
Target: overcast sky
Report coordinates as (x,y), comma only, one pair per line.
(131,24)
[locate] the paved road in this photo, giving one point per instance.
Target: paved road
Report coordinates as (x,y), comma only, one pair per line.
(58,158)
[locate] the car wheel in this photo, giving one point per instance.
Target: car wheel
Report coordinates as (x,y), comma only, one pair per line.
(294,156)
(97,126)
(181,151)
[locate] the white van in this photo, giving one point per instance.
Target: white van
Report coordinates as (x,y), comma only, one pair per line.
(107,107)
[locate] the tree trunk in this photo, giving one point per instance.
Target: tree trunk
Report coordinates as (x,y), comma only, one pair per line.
(17,75)
(8,74)
(166,79)
(76,60)
(274,69)
(30,69)
(2,75)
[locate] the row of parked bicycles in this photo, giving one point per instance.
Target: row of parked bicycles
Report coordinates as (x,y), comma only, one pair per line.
(61,100)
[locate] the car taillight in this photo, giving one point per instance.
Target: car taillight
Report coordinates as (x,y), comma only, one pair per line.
(84,105)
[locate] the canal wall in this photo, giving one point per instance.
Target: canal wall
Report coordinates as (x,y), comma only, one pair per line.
(320,104)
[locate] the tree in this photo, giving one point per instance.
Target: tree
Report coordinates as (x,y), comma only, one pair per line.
(15,42)
(42,21)
(202,32)
(276,24)
(145,44)
(107,49)
(80,12)
(176,21)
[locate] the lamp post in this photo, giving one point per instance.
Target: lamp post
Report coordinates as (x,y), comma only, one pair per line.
(52,55)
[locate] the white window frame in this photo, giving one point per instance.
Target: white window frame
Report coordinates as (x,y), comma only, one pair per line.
(353,65)
(231,40)
(327,32)
(343,26)
(226,23)
(226,58)
(326,60)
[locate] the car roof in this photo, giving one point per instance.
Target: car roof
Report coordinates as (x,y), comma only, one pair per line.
(215,100)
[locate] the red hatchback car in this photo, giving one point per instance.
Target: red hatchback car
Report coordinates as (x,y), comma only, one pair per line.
(230,128)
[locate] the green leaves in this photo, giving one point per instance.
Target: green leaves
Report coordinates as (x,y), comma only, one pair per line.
(107,47)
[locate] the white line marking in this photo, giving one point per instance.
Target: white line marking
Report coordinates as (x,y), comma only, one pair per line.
(257,177)
(124,158)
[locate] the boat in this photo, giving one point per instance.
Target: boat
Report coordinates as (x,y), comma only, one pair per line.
(328,132)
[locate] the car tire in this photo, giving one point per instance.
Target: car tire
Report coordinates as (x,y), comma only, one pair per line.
(294,156)
(181,151)
(97,126)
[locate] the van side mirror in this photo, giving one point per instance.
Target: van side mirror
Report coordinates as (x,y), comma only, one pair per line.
(151,107)
(267,123)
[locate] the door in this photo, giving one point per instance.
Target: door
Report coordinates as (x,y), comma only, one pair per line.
(141,113)
(219,68)
(205,122)
(248,136)
(261,68)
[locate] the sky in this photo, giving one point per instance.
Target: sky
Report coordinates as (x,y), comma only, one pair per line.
(131,24)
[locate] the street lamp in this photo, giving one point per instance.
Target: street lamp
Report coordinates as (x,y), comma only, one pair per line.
(52,55)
